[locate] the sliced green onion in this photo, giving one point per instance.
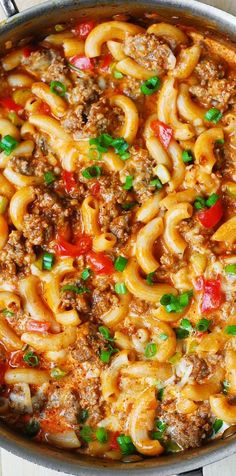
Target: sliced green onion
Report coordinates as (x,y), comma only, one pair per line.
(213,115)
(150,86)
(125,155)
(31,359)
(217,425)
(120,263)
(128,205)
(120,288)
(156,183)
(186,324)
(187,156)
(163,336)
(161,425)
(48,261)
(83,415)
(220,141)
(157,435)
(174,303)
(106,354)
(126,445)
(160,394)
(149,278)
(92,172)
(8,144)
(3,204)
(94,154)
(118,74)
(200,203)
(32,428)
(212,200)
(86,273)
(151,350)
(58,88)
(225,387)
(49,178)
(75,289)
(230,330)
(230,268)
(181,333)
(59,27)
(104,141)
(86,433)
(57,373)
(172,447)
(120,145)
(128,182)
(7,313)
(102,435)
(105,333)
(203,325)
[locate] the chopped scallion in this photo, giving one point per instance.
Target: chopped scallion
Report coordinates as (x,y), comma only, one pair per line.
(92,172)
(150,86)
(49,177)
(48,261)
(31,359)
(8,144)
(57,373)
(187,156)
(58,88)
(203,325)
(230,269)
(213,115)
(120,263)
(120,288)
(102,435)
(86,273)
(128,182)
(151,350)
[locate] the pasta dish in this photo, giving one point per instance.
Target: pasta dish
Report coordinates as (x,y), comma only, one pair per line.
(117,243)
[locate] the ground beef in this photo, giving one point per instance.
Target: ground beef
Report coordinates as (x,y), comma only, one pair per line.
(113,195)
(47,65)
(138,307)
(218,93)
(140,166)
(131,88)
(208,69)
(188,431)
(36,229)
(150,52)
(72,300)
(86,91)
(16,256)
(104,296)
(64,398)
(120,226)
(102,118)
(73,120)
(200,370)
(22,165)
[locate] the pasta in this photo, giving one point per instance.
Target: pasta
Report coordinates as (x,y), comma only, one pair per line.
(118,238)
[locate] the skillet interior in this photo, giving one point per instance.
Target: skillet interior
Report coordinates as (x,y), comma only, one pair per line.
(38,20)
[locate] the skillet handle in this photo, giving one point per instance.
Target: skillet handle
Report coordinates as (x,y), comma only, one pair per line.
(9,7)
(195,472)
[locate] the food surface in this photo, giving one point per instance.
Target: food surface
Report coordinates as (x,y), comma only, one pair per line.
(117,243)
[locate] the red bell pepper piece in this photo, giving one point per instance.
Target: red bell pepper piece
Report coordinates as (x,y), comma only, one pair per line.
(100,263)
(114,445)
(69,181)
(210,217)
(82,246)
(16,359)
(95,188)
(212,295)
(163,132)
(43,108)
(10,105)
(26,51)
(82,62)
(37,326)
(106,61)
(83,29)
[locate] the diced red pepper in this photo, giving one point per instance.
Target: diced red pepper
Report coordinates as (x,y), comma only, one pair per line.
(212,295)
(16,359)
(82,62)
(43,108)
(69,181)
(211,216)
(82,246)
(199,334)
(100,263)
(114,445)
(95,188)
(10,105)
(37,326)
(163,132)
(106,61)
(26,51)
(83,29)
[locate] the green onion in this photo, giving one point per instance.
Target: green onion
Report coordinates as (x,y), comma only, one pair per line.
(157,435)
(230,330)
(230,268)
(160,394)
(3,204)
(161,425)
(118,74)
(105,333)
(172,447)
(150,86)
(151,350)
(59,27)
(128,205)
(120,145)
(128,182)
(187,156)
(31,359)
(175,358)
(126,445)
(186,324)
(86,273)
(163,336)
(32,428)
(58,88)
(213,115)
(101,142)
(212,200)
(86,433)
(57,373)
(149,278)
(102,435)
(92,172)
(125,156)
(220,141)
(181,333)
(217,425)
(48,261)
(200,203)
(94,154)
(203,325)
(75,289)
(8,144)
(120,288)
(120,263)
(49,178)
(174,303)
(225,387)
(7,313)
(156,183)
(83,415)
(106,354)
